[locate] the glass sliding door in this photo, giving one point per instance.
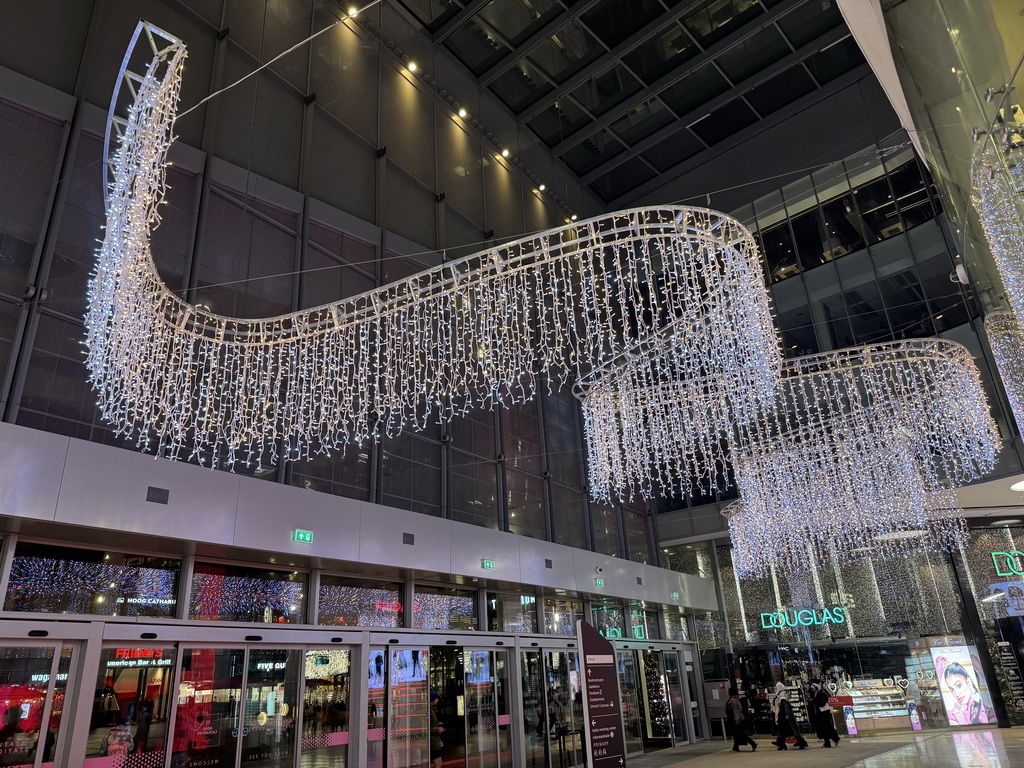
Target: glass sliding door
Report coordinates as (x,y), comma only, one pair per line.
(207,718)
(271,708)
(32,684)
(629,689)
(376,706)
(676,699)
(481,710)
(657,718)
(325,708)
(408,720)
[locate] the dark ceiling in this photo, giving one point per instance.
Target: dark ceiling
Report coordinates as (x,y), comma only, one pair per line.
(626,92)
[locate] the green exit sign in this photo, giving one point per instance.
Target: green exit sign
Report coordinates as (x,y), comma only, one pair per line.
(598,582)
(306,537)
(487,565)
(675,595)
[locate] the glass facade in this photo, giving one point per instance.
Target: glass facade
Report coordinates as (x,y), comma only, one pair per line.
(238,593)
(50,579)
(359,603)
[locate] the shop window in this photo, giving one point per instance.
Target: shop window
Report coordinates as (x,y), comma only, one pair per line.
(25,674)
(511,613)
(560,616)
(643,623)
(236,593)
(132,703)
(360,603)
(607,618)
(50,579)
(444,608)
(676,627)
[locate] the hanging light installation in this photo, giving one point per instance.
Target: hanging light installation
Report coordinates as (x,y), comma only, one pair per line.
(186,382)
(860,445)
(997,183)
(1006,339)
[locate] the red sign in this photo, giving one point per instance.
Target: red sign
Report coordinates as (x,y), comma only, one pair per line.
(138,653)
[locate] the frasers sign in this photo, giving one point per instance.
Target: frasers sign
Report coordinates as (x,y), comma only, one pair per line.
(807,617)
(1008,563)
(140,657)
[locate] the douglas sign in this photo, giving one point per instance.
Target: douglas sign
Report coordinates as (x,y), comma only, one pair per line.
(806,618)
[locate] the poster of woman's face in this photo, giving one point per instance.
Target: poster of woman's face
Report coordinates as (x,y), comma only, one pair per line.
(966,701)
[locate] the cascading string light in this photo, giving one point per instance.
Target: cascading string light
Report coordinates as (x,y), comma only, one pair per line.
(1006,339)
(859,446)
(187,383)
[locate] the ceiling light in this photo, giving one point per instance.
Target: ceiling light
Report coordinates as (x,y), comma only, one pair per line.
(541,187)
(504,153)
(352,12)
(463,112)
(574,217)
(412,66)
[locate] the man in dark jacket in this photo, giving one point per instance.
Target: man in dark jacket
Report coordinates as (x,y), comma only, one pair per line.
(738,713)
(821,714)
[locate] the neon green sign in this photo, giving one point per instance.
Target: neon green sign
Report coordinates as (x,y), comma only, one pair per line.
(598,582)
(1008,563)
(804,618)
(487,565)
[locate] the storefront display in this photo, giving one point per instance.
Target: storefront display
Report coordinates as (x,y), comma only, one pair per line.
(878,706)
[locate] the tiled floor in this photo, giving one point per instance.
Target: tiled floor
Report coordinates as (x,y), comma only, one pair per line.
(939,749)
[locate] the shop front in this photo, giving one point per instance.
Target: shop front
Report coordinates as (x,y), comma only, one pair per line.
(886,636)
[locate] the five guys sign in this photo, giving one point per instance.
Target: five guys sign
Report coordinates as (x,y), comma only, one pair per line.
(602,708)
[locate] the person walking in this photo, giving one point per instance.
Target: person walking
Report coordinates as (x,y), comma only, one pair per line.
(785,721)
(739,714)
(821,714)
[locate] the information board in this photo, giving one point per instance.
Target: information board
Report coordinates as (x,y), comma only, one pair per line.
(602,707)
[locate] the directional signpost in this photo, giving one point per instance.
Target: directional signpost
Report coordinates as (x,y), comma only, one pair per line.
(602,707)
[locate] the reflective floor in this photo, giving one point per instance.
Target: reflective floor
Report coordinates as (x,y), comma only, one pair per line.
(961,749)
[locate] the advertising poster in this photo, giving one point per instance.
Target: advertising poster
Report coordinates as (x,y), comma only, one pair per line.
(1008,597)
(961,682)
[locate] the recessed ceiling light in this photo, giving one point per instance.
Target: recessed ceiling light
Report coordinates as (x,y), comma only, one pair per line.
(463,112)
(504,153)
(412,66)
(1018,486)
(541,187)
(1007,521)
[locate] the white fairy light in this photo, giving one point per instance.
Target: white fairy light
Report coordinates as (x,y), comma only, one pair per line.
(860,445)
(1007,342)
(997,183)
(186,382)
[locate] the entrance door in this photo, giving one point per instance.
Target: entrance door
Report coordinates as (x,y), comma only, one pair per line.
(629,689)
(552,708)
(33,681)
(675,685)
(657,731)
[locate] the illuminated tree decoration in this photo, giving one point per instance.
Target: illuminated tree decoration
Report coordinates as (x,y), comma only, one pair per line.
(1007,343)
(186,382)
(860,445)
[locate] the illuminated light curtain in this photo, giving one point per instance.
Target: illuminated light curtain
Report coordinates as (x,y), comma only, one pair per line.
(861,445)
(1007,343)
(997,183)
(186,382)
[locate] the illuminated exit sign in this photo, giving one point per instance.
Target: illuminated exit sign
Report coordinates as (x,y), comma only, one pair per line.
(598,582)
(305,537)
(487,565)
(675,595)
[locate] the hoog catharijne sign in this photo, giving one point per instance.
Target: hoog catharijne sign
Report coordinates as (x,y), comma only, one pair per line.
(602,707)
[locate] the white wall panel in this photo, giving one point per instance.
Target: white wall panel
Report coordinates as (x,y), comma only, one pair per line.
(473,543)
(381,539)
(31,463)
(268,513)
(533,553)
(105,487)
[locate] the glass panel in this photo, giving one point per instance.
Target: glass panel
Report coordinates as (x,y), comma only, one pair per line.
(433,13)
(694,559)
(132,701)
(409,741)
(694,90)
(444,608)
(481,717)
(809,21)
(676,627)
(643,624)
(359,602)
(606,529)
(376,712)
(589,154)
(724,122)
(615,20)
(696,722)
(48,579)
(534,739)
(560,616)
(621,179)
(642,120)
(658,721)
(235,593)
(24,681)
(325,705)
(411,470)
(830,63)
(515,19)
(503,710)
(779,253)
(607,618)
(511,613)
(629,690)
(717,18)
(569,510)
(271,707)
(57,708)
(206,719)
(521,86)
(559,121)
(603,91)
(344,473)
(878,210)
(677,703)
(476,47)
(566,52)
(638,535)
(681,146)
(753,54)
(564,724)
(474,490)
(337,266)
(662,54)
(526,515)
(772,95)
